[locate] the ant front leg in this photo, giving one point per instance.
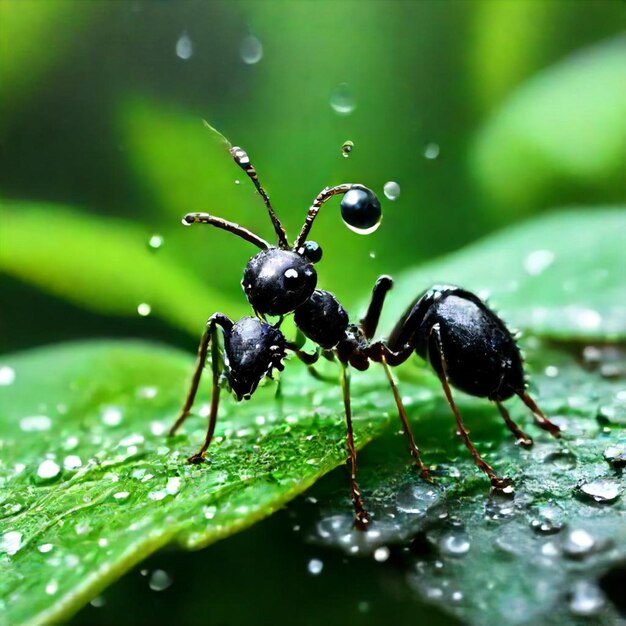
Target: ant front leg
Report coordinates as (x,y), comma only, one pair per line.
(437,356)
(209,337)
(369,323)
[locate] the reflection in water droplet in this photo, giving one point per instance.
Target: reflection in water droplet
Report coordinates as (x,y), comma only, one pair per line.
(315,567)
(341,100)
(602,489)
(11,542)
(48,470)
(347,148)
(250,50)
(160,580)
(35,423)
(7,375)
(184,47)
(144,309)
(155,242)
(586,598)
(537,261)
(391,190)
(431,151)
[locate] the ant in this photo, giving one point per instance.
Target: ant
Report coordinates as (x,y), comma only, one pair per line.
(467,344)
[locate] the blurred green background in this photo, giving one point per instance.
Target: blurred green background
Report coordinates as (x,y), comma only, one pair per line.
(483,111)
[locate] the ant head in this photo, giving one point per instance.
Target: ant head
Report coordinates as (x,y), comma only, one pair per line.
(276,281)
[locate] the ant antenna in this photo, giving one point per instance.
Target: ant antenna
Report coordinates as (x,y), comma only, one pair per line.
(231,227)
(243,161)
(326,194)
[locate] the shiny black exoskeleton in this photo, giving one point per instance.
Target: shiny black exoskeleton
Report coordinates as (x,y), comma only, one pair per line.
(467,344)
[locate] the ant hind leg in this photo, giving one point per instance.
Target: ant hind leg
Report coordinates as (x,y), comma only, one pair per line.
(540,419)
(523,439)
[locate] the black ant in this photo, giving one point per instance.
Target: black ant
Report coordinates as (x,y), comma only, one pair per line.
(466,343)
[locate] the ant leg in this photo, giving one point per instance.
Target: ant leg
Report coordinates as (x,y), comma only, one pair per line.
(362,518)
(369,323)
(523,439)
(540,419)
(413,449)
(496,481)
(209,337)
(309,360)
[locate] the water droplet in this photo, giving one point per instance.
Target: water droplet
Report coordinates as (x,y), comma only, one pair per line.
(586,598)
(7,375)
(372,255)
(562,459)
(44,548)
(48,470)
(549,520)
(147,392)
(616,455)
(551,371)
(155,242)
(416,498)
(52,587)
(98,602)
(431,151)
(173,485)
(209,512)
(341,100)
(315,567)
(35,423)
(601,490)
(538,261)
(250,50)
(103,542)
(121,495)
(184,47)
(160,580)
(391,190)
(157,496)
(131,440)
(381,554)
(347,148)
(71,462)
(11,542)
(578,543)
(454,544)
(144,309)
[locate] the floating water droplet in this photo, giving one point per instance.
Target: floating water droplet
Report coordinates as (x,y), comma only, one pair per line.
(341,100)
(160,580)
(7,375)
(391,190)
(315,567)
(578,543)
(11,542)
(347,148)
(48,470)
(381,554)
(586,598)
(454,544)
(155,242)
(144,309)
(431,151)
(71,462)
(538,261)
(602,489)
(35,423)
(250,50)
(184,47)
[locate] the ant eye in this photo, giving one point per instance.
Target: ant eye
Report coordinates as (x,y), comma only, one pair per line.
(360,210)
(312,251)
(293,280)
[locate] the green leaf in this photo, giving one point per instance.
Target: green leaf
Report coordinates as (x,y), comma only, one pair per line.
(91,484)
(535,558)
(104,265)
(564,127)
(558,276)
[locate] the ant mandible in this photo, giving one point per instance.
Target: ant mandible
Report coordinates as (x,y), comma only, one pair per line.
(468,345)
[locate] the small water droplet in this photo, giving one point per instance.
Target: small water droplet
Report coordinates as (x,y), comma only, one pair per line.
(11,542)
(250,50)
(71,462)
(578,543)
(341,100)
(155,242)
(347,148)
(562,459)
(616,455)
(184,47)
(98,602)
(416,498)
(431,151)
(121,495)
(52,587)
(147,392)
(160,580)
(144,309)
(131,440)
(538,261)
(157,496)
(103,542)
(381,554)
(209,512)
(35,423)
(551,371)
(48,470)
(315,567)
(237,181)
(391,190)
(601,490)
(173,485)
(372,255)
(586,598)
(44,548)
(7,375)
(454,544)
